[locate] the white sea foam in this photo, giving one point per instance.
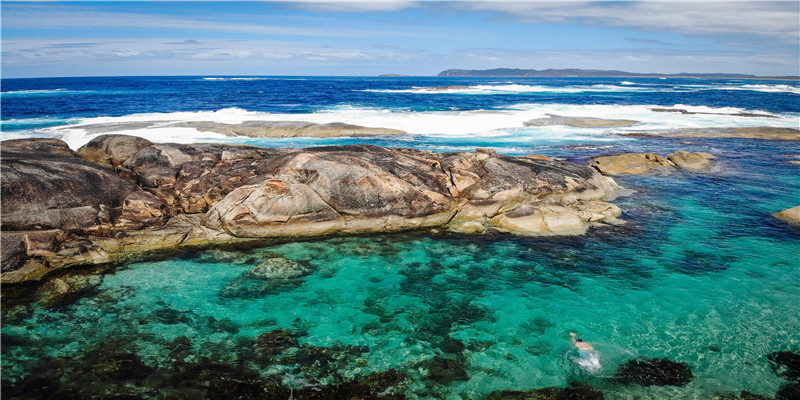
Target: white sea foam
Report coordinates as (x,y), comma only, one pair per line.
(237,79)
(160,127)
(507,89)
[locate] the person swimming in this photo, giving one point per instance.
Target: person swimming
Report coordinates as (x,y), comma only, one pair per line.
(588,357)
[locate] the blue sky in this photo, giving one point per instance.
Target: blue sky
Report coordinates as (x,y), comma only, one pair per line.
(415,38)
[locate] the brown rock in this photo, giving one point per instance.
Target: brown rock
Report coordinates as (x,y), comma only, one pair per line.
(580,122)
(630,163)
(112,149)
(687,160)
(55,188)
(141,209)
(790,215)
(276,129)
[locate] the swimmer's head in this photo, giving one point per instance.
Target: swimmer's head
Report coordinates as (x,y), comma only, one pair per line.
(578,340)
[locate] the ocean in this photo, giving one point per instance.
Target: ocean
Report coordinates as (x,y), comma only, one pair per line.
(700,272)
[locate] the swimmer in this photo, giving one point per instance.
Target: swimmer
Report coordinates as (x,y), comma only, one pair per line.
(588,356)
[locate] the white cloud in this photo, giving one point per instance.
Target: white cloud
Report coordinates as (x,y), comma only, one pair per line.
(777,19)
(60,51)
(41,17)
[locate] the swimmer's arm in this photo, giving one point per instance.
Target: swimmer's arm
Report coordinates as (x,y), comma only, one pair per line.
(573,337)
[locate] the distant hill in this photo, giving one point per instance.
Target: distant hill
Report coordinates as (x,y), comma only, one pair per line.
(573,72)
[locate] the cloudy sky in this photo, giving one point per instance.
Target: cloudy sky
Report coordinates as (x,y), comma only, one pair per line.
(415,38)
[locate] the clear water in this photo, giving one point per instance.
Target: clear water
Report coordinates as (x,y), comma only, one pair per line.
(700,272)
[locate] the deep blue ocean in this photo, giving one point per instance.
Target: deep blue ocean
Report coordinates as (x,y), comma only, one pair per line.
(700,272)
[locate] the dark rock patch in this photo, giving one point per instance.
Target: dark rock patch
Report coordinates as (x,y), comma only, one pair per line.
(654,372)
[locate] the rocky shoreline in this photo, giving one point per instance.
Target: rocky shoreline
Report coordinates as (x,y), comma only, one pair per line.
(122,196)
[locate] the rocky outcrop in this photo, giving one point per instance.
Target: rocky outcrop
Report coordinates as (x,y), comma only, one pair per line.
(275,129)
(641,163)
(687,160)
(581,122)
(754,132)
(631,163)
(164,197)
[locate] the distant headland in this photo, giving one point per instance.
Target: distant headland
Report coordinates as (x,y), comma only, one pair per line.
(594,73)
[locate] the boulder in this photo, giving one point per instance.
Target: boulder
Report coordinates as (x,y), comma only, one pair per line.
(55,189)
(631,163)
(140,209)
(654,372)
(687,160)
(790,215)
(112,149)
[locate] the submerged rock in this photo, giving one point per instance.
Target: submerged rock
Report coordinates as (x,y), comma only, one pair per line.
(275,341)
(789,391)
(654,372)
(444,370)
(278,268)
(786,364)
(573,392)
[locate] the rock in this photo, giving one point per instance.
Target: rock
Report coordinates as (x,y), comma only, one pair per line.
(140,209)
(275,341)
(581,122)
(444,370)
(789,391)
(112,149)
(687,160)
(743,395)
(786,364)
(55,190)
(386,385)
(757,132)
(573,392)
(59,292)
(654,372)
(791,215)
(631,163)
(278,268)
(537,156)
(201,194)
(443,88)
(276,129)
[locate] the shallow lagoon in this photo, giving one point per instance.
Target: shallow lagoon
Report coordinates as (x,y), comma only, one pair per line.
(700,273)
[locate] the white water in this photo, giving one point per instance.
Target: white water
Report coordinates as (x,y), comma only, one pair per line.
(479,123)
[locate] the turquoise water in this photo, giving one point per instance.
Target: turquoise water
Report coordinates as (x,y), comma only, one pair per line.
(700,273)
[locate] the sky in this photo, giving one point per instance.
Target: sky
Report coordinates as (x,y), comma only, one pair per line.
(358,38)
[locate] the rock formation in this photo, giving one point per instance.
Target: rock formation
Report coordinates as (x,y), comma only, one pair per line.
(61,210)
(581,122)
(640,163)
